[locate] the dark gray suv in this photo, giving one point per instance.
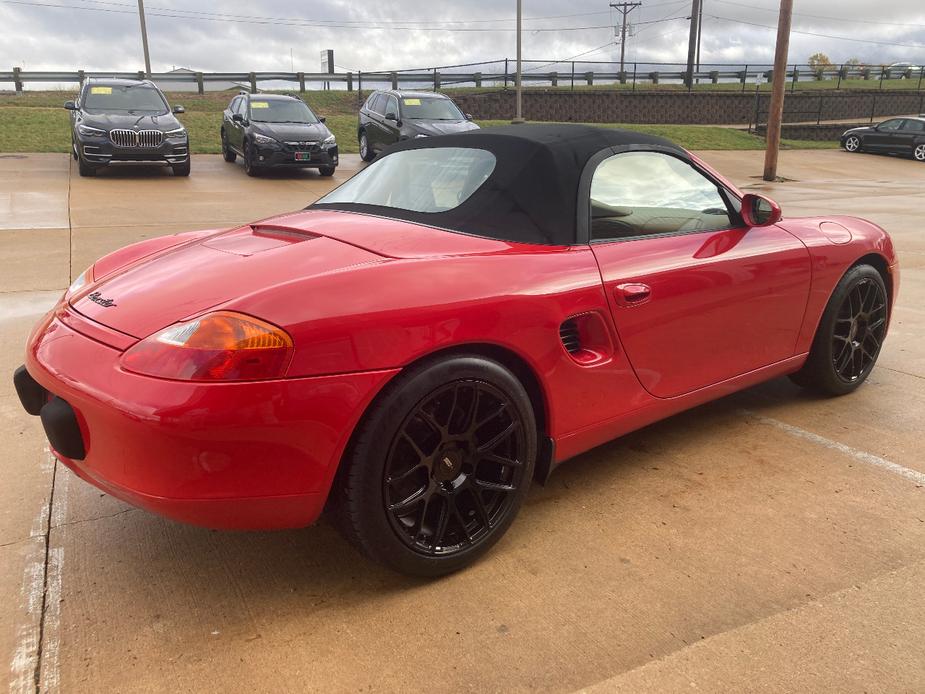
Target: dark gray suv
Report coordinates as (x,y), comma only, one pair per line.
(126,121)
(390,116)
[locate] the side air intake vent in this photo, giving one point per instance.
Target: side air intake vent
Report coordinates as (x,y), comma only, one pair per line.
(568,333)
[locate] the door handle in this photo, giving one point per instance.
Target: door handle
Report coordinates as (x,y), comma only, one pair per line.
(632,293)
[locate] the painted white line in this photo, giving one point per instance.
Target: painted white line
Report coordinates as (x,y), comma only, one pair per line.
(862,456)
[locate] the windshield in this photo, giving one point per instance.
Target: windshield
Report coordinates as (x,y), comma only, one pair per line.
(433,179)
(281,111)
(128,98)
(429,108)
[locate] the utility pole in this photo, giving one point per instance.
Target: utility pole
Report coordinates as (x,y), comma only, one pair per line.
(518,110)
(144,37)
(778,88)
(624,8)
(692,44)
(699,32)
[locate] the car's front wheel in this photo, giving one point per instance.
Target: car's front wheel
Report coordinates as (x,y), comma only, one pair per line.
(853,143)
(85,169)
(439,467)
(249,167)
(326,170)
(919,152)
(366,152)
(227,153)
(849,336)
(182,169)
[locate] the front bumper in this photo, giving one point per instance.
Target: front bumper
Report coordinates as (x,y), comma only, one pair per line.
(249,455)
(101,151)
(284,156)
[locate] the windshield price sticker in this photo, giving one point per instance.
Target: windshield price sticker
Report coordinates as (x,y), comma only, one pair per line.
(259,104)
(412,102)
(101,90)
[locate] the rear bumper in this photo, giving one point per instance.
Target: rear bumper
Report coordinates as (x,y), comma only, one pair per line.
(257,455)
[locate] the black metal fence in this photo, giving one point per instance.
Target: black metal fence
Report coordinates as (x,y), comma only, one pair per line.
(573,74)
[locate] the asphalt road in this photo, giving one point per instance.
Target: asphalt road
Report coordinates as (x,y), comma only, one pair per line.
(770,541)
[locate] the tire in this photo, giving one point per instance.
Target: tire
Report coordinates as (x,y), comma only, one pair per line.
(428,483)
(366,152)
(326,170)
(849,336)
(853,143)
(182,169)
(73,150)
(84,168)
(918,152)
(227,153)
(249,168)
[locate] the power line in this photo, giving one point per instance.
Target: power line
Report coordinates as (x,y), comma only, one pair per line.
(824,36)
(819,16)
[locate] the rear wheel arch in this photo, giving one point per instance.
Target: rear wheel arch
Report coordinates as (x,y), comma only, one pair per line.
(510,360)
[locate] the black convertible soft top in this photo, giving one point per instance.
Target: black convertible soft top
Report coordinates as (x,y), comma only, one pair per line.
(532,194)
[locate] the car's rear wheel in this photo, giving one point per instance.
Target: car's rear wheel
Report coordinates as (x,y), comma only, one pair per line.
(182,169)
(919,152)
(850,334)
(853,143)
(227,153)
(366,152)
(440,466)
(249,167)
(326,170)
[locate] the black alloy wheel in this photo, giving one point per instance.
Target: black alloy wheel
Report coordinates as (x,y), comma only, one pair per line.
(249,167)
(850,334)
(859,330)
(454,467)
(438,469)
(227,153)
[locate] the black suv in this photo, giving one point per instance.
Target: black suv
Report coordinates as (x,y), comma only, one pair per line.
(895,136)
(390,116)
(126,121)
(275,130)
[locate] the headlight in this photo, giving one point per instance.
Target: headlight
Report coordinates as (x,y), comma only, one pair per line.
(90,132)
(179,132)
(220,346)
(329,141)
(83,278)
(263,139)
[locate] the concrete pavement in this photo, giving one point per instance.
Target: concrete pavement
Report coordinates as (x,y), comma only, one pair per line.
(770,541)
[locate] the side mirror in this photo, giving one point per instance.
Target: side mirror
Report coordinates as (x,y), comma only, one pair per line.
(322,120)
(179,109)
(759,211)
(70,105)
(237,118)
(391,116)
(468,116)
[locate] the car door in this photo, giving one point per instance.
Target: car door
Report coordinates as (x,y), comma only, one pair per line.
(908,135)
(228,123)
(697,297)
(390,128)
(884,136)
(374,132)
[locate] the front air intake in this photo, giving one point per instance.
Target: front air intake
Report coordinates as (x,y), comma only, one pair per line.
(568,333)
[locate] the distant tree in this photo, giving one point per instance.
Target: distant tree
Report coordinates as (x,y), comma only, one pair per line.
(819,60)
(853,61)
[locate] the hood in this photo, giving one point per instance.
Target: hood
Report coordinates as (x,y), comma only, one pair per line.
(292,132)
(108,121)
(441,127)
(181,282)
(859,129)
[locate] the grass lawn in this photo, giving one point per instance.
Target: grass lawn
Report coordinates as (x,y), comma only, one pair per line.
(36,122)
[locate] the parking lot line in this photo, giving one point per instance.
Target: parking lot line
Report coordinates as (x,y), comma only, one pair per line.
(862,456)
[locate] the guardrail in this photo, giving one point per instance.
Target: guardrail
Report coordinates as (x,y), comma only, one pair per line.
(501,73)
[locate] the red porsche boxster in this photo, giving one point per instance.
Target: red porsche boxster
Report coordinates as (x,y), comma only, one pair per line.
(448,325)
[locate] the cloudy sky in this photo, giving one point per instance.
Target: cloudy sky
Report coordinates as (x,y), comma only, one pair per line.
(239,35)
